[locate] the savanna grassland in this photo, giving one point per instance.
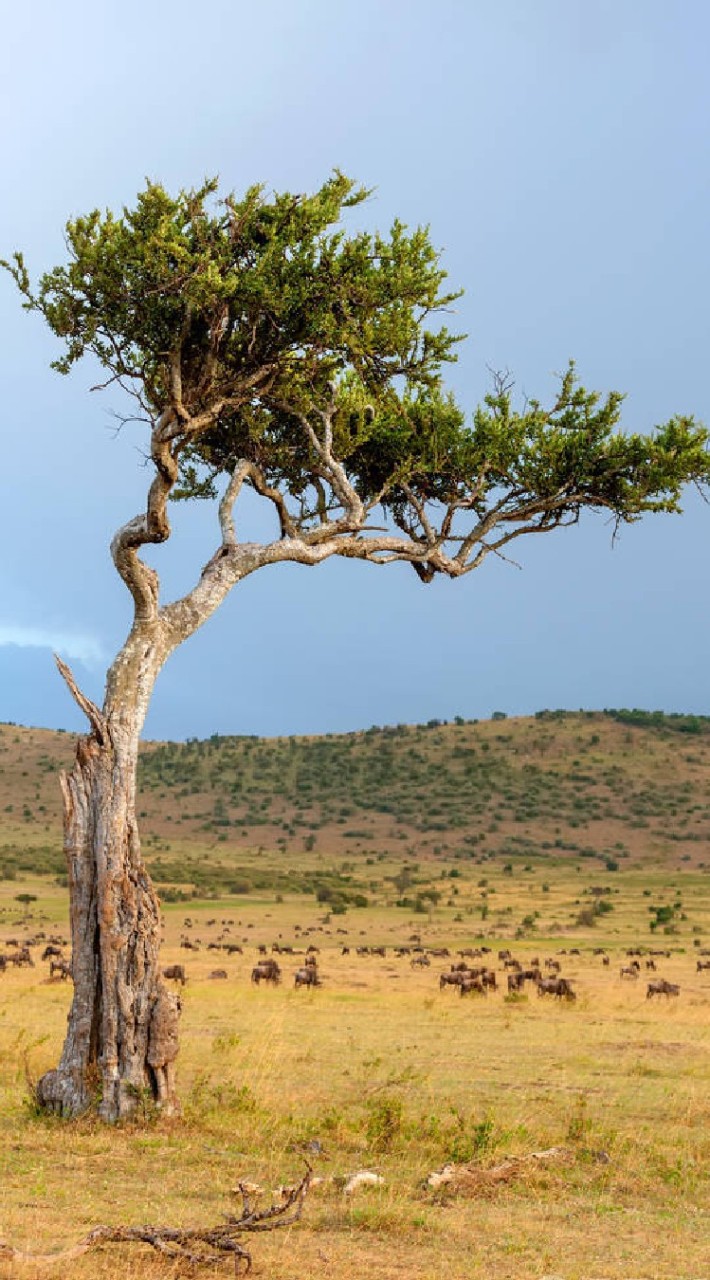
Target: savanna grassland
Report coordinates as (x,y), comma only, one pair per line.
(556,836)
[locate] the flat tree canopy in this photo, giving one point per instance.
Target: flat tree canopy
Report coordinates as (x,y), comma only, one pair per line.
(264,344)
(267,348)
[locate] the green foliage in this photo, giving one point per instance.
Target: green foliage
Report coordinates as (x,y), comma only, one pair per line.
(674,720)
(384,1123)
(237,322)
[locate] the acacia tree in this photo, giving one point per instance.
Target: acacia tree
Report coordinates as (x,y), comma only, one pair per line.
(268,350)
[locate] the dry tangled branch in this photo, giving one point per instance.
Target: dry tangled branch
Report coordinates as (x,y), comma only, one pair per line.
(199,1246)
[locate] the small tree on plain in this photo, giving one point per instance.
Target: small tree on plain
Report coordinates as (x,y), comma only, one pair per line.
(268,350)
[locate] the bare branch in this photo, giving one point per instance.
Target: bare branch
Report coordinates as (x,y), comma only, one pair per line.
(198,1246)
(91,711)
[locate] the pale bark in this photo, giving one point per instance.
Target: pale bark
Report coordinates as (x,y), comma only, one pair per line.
(122,1033)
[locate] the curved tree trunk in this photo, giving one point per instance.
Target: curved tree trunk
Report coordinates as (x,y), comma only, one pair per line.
(122,1032)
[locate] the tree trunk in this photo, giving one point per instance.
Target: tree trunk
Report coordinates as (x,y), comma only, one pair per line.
(122,1033)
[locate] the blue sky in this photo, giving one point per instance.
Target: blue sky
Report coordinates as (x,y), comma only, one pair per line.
(559,152)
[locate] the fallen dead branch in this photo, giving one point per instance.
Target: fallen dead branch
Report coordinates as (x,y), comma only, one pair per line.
(476,1181)
(199,1246)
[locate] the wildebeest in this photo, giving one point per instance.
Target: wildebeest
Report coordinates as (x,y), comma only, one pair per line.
(176,972)
(422,962)
(60,966)
(628,971)
(450,980)
(531,975)
(702,964)
(662,988)
(467,985)
(52,949)
(217,973)
(307,977)
(266,971)
(560,987)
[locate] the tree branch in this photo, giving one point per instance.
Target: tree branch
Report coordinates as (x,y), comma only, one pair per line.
(198,1246)
(91,711)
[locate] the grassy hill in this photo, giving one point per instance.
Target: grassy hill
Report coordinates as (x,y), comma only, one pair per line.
(623,789)
(561,833)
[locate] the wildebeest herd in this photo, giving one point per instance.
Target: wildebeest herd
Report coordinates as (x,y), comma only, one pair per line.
(475,972)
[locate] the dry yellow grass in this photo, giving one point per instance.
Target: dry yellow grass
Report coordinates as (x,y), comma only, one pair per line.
(388,1074)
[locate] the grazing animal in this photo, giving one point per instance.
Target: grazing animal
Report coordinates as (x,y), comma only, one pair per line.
(531,975)
(662,988)
(266,971)
(60,966)
(51,950)
(560,987)
(307,977)
(421,962)
(628,971)
(176,972)
(450,980)
(217,973)
(472,984)
(702,964)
